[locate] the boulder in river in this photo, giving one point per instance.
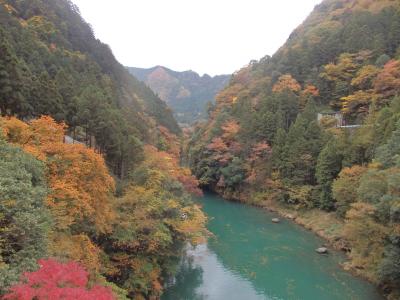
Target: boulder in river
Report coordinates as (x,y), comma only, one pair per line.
(275,220)
(322,250)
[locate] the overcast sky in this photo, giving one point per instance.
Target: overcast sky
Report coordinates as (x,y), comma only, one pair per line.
(207,36)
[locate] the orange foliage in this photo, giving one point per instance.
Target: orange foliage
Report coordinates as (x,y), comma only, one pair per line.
(242,76)
(220,150)
(286,82)
(171,140)
(365,235)
(79,247)
(79,183)
(260,151)
(190,226)
(256,162)
(15,131)
(169,165)
(365,77)
(358,102)
(229,95)
(81,186)
(387,82)
(189,182)
(311,90)
(217,145)
(345,68)
(230,130)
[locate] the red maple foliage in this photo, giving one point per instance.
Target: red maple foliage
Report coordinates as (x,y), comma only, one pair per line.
(55,281)
(387,82)
(190,183)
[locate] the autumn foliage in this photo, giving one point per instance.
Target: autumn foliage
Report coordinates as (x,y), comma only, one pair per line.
(109,236)
(153,217)
(78,177)
(170,142)
(167,165)
(286,82)
(57,281)
(313,127)
(61,200)
(387,81)
(80,186)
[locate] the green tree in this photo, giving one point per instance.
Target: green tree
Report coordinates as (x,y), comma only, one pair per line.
(303,144)
(11,96)
(344,188)
(234,173)
(328,167)
(24,219)
(389,270)
(382,60)
(278,149)
(389,154)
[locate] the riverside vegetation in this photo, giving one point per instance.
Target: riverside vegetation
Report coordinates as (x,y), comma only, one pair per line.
(108,216)
(263,144)
(105,218)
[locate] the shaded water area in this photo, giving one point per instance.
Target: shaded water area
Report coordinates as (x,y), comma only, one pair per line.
(249,258)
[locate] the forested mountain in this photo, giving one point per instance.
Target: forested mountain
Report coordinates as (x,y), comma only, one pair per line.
(186,93)
(265,145)
(104,218)
(53,65)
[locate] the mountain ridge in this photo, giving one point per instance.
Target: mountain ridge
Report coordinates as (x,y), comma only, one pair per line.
(187,93)
(103,214)
(57,67)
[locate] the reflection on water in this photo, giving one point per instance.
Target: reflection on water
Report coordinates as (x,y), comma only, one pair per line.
(251,258)
(202,276)
(188,279)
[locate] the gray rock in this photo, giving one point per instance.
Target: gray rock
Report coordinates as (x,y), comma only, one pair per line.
(275,220)
(322,250)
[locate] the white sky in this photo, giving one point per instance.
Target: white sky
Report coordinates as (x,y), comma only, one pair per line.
(207,36)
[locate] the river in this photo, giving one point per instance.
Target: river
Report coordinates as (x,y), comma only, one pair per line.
(249,257)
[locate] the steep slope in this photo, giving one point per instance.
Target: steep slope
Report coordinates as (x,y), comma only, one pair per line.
(186,93)
(51,64)
(335,27)
(97,219)
(264,144)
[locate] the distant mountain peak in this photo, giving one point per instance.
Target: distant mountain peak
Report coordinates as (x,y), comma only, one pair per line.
(187,93)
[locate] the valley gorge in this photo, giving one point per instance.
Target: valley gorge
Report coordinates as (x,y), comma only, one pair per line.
(129,183)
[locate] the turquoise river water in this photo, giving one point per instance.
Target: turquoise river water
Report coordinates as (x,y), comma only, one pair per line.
(250,258)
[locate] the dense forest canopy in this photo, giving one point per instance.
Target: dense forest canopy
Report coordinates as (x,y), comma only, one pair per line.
(92,186)
(265,145)
(52,64)
(91,190)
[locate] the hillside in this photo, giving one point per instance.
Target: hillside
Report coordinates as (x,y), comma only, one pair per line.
(52,64)
(312,132)
(186,93)
(97,219)
(264,145)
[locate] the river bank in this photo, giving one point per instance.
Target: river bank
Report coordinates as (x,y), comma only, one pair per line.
(250,257)
(323,224)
